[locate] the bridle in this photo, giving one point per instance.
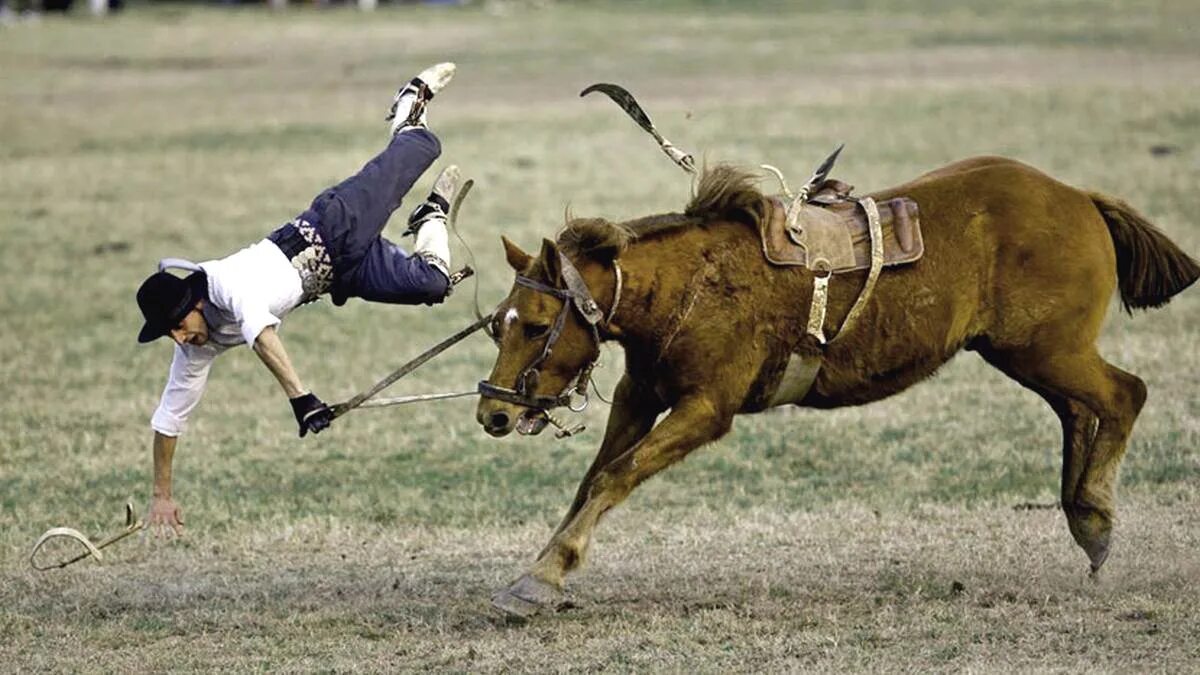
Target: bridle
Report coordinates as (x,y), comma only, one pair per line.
(576,295)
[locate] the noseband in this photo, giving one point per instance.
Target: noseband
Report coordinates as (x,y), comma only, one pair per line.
(576,295)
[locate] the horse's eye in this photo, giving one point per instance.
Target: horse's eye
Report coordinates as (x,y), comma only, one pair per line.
(534,331)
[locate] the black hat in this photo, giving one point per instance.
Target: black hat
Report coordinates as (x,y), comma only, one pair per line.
(165,299)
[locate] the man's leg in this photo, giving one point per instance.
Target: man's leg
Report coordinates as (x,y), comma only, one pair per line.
(353,213)
(388,274)
(368,198)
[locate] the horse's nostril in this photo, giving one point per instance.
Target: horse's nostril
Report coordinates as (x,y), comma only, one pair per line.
(498,420)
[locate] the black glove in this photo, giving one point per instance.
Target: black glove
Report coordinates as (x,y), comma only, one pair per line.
(311,414)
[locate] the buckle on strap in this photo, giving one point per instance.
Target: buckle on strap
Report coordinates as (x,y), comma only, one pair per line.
(579,293)
(820,300)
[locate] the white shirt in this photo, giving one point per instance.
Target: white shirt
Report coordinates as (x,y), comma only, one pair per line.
(247,292)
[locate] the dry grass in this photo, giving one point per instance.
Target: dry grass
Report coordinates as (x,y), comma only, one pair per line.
(806,540)
(843,588)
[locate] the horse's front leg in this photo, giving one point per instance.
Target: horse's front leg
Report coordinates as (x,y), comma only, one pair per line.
(694,421)
(635,406)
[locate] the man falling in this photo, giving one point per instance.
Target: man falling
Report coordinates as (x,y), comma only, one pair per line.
(333,247)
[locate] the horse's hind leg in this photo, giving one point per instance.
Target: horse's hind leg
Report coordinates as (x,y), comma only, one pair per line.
(1095,499)
(1114,397)
(1078,424)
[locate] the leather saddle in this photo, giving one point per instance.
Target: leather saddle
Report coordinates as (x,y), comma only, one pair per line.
(830,232)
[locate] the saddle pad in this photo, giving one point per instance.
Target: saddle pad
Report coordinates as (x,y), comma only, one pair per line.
(837,234)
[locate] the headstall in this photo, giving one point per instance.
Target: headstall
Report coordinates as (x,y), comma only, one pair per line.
(576,295)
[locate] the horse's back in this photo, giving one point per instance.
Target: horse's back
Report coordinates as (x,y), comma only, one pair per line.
(987,179)
(1043,246)
(1010,253)
(969,164)
(1008,208)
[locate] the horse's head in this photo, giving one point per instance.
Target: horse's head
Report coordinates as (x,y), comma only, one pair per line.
(548,334)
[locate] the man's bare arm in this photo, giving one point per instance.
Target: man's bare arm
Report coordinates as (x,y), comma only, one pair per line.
(164,518)
(311,414)
(270,349)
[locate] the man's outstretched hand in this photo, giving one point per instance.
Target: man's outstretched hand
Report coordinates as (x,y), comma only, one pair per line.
(164,519)
(311,414)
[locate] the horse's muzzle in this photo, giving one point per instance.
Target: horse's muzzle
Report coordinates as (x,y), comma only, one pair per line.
(500,418)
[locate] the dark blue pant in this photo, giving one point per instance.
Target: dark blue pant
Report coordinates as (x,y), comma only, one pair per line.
(351,215)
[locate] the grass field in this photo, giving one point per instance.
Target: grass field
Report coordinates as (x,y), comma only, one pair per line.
(893,537)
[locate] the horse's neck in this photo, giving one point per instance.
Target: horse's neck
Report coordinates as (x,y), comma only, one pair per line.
(653,252)
(652,295)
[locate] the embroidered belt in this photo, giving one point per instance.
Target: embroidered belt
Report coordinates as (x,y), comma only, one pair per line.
(303,246)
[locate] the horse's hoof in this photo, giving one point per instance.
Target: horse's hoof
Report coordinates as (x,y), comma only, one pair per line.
(1098,553)
(513,606)
(1092,530)
(526,597)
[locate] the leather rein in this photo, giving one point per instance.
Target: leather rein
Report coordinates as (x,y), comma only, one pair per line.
(576,295)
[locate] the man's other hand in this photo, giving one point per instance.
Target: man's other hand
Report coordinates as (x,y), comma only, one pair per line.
(311,414)
(164,519)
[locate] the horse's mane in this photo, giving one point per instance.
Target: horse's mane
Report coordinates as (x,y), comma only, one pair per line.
(727,193)
(724,193)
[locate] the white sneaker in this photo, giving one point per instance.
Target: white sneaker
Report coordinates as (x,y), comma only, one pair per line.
(408,107)
(446,185)
(437,205)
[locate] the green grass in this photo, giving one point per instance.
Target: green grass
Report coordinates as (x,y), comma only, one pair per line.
(805,540)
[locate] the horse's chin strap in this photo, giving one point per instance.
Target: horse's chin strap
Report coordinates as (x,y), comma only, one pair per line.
(575,295)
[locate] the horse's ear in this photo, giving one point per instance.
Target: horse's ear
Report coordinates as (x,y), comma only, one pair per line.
(517,259)
(550,263)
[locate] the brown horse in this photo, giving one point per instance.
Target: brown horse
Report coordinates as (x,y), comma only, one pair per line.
(1018,267)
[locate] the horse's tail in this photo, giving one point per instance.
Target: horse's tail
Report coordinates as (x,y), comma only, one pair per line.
(1150,267)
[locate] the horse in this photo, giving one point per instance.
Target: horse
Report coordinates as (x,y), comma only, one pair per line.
(1018,267)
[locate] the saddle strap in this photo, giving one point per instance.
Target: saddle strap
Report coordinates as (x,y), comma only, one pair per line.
(820,294)
(876,232)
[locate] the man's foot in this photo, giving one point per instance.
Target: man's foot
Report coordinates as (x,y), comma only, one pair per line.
(408,108)
(437,204)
